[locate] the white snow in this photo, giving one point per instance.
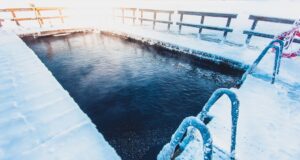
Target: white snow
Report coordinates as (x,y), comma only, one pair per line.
(269,120)
(38,118)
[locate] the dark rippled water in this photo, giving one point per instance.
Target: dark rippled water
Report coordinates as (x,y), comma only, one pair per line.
(135,94)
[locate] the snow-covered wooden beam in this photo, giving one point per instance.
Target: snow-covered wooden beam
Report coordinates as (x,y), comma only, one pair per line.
(154,20)
(256,19)
(225,29)
(37,12)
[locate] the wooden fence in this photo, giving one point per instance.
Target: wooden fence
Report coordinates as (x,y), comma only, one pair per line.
(155,20)
(37,12)
(226,29)
(201,26)
(256,19)
(123,11)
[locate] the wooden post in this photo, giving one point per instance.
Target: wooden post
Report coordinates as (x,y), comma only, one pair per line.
(181,17)
(142,15)
(61,16)
(123,16)
(201,22)
(114,15)
(38,16)
(227,25)
(1,20)
(133,19)
(14,17)
(169,24)
(252,28)
(154,19)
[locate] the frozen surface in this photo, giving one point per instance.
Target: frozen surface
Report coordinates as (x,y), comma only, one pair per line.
(38,118)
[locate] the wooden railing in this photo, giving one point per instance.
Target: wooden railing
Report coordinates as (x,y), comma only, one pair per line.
(123,17)
(37,12)
(225,29)
(256,19)
(154,20)
(202,26)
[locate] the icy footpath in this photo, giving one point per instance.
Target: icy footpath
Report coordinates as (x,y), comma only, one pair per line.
(38,118)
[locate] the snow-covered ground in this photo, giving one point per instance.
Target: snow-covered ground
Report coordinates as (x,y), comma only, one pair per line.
(269,120)
(38,118)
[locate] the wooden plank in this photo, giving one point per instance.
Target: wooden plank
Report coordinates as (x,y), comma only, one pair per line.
(156,10)
(1,20)
(272,19)
(39,15)
(25,19)
(154,19)
(14,17)
(264,35)
(296,40)
(206,27)
(36,18)
(210,14)
(142,14)
(61,15)
(123,14)
(125,8)
(52,17)
(258,34)
(201,22)
(126,17)
(157,21)
(179,26)
(133,14)
(30,9)
(49,8)
(170,18)
(227,25)
(15,9)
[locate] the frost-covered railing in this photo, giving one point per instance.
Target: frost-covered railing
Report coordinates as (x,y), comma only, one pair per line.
(278,55)
(168,150)
(155,20)
(256,19)
(123,14)
(37,12)
(201,26)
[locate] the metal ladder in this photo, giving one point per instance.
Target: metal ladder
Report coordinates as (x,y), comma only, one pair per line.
(197,123)
(278,55)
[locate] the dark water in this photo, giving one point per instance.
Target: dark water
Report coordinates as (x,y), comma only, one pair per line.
(135,94)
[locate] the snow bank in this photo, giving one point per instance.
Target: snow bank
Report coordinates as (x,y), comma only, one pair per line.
(38,118)
(268,125)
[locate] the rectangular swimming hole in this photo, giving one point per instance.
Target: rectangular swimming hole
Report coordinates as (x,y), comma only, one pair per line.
(136,94)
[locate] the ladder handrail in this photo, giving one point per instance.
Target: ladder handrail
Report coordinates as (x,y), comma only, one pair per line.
(278,55)
(234,113)
(234,116)
(168,150)
(203,114)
